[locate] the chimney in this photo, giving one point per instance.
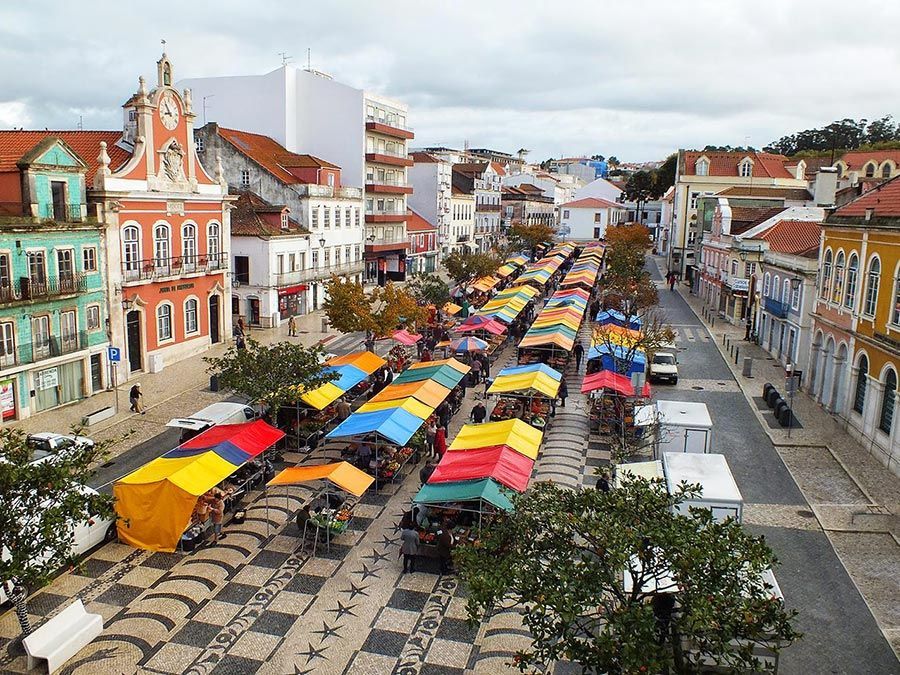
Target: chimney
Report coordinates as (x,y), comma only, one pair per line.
(825,186)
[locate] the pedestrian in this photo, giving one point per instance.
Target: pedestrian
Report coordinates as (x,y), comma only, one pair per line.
(409,545)
(440,441)
(445,548)
(488,381)
(136,398)
(239,342)
(202,510)
(217,512)
(426,471)
(479,412)
(388,375)
(420,347)
(303,517)
(485,366)
(563,392)
(430,431)
(443,414)
(426,355)
(241,329)
(672,278)
(292,327)
(603,483)
(579,354)
(343,409)
(476,370)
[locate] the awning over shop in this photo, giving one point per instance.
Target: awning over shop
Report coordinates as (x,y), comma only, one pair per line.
(515,433)
(485,490)
(404,337)
(503,464)
(485,283)
(611,381)
(155,502)
(394,424)
(342,474)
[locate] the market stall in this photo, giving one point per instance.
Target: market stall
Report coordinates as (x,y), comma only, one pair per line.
(617,358)
(157,504)
(613,402)
(513,433)
(614,316)
(508,303)
(403,353)
(525,392)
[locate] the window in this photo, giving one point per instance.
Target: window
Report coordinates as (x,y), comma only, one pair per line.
(745,168)
(734,268)
(348,216)
(7,343)
(314,218)
(191,324)
(92,313)
(850,288)
(347,256)
(826,275)
(859,398)
(566,213)
(292,261)
(870,170)
(40,334)
(887,401)
(895,310)
(131,248)
(164,322)
(189,242)
(702,167)
(356,217)
(213,242)
(337,217)
(776,288)
(872,280)
(280,263)
(37,270)
(796,286)
(315,259)
(598,217)
(330,180)
(242,269)
(327,257)
(198,143)
(89,259)
(694,197)
(65,264)
(245,178)
(161,247)
(767,282)
(356,249)
(785,292)
(327,222)
(284,220)
(838,291)
(886,170)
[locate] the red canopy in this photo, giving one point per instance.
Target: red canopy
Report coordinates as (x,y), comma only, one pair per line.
(493,327)
(501,463)
(236,443)
(607,379)
(404,337)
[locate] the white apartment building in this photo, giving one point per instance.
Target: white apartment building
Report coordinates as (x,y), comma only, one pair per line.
(363,133)
(483,180)
(462,221)
(588,219)
(430,177)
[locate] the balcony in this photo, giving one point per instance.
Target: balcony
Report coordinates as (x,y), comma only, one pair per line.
(389,128)
(776,308)
(392,158)
(396,215)
(396,187)
(462,238)
(44,348)
(25,289)
(487,208)
(316,273)
(37,213)
(160,268)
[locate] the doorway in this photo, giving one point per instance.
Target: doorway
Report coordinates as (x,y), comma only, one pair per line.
(96,373)
(253,315)
(133,340)
(214,335)
(58,196)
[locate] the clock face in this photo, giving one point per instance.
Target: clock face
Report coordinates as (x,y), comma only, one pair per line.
(168,111)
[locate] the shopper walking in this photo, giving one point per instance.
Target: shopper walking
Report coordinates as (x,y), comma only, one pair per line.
(440,441)
(136,398)
(563,392)
(479,413)
(409,545)
(579,354)
(292,327)
(217,513)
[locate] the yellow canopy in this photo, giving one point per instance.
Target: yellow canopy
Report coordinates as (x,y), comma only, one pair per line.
(320,397)
(521,437)
(523,382)
(451,308)
(344,475)
(453,363)
(485,283)
(410,405)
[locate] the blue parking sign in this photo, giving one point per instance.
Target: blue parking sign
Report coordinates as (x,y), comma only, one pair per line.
(114,354)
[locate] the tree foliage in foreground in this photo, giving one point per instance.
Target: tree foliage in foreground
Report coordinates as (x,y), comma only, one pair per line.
(42,502)
(270,374)
(464,268)
(560,557)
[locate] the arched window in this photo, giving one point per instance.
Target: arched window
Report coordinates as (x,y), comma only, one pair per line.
(870,170)
(189,243)
(702,167)
(895,310)
(886,170)
(164,322)
(776,287)
(213,243)
(786,292)
(191,314)
(131,248)
(745,168)
(838,278)
(826,275)
(887,401)
(872,279)
(852,274)
(162,247)
(859,399)
(767,283)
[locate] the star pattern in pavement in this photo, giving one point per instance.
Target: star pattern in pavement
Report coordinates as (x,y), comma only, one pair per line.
(313,653)
(355,590)
(342,610)
(327,631)
(365,573)
(376,557)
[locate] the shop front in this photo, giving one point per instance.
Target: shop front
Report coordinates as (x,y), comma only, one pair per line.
(292,301)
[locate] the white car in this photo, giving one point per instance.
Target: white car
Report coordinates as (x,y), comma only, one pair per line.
(46,446)
(664,367)
(85,536)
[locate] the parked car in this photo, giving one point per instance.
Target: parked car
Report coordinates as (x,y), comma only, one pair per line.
(664,367)
(85,536)
(47,446)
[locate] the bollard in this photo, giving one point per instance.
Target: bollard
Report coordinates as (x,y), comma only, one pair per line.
(713,322)
(723,338)
(737,355)
(747,370)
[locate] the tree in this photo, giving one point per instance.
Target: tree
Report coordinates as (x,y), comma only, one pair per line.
(640,189)
(613,161)
(530,235)
(464,268)
(626,248)
(664,176)
(393,307)
(429,289)
(598,158)
(560,556)
(347,306)
(881,130)
(42,503)
(270,374)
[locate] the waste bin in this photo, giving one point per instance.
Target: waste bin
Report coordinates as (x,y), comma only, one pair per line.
(214,383)
(747,370)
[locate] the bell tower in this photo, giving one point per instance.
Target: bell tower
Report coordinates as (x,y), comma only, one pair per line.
(165,76)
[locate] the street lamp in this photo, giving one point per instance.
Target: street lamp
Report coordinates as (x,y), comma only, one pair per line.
(322,242)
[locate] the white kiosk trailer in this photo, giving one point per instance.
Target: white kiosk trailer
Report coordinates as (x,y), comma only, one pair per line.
(719,490)
(678,426)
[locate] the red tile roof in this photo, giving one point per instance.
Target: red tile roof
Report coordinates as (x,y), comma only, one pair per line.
(271,155)
(884,200)
(247,221)
(726,163)
(591,203)
(86,144)
(424,158)
(790,194)
(857,159)
(417,224)
(793,236)
(471,168)
(498,168)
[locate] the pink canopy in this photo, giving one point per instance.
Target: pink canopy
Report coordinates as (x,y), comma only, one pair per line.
(502,463)
(491,326)
(404,337)
(607,379)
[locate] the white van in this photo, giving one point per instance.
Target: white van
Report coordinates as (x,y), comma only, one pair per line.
(679,426)
(210,416)
(85,536)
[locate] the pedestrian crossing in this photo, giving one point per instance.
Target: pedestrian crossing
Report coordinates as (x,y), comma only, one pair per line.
(687,334)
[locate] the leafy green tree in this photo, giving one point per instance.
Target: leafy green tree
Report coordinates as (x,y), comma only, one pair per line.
(270,374)
(664,176)
(42,503)
(429,289)
(395,307)
(464,268)
(561,554)
(613,161)
(881,130)
(640,188)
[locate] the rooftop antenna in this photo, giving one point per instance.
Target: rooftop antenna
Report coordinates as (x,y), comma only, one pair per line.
(204,106)
(80,122)
(285,58)
(308,59)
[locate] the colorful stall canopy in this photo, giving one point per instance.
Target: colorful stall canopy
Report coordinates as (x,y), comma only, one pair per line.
(505,270)
(428,392)
(533,383)
(468,344)
(558,338)
(614,316)
(443,374)
(485,283)
(611,381)
(491,326)
(504,465)
(155,502)
(342,474)
(408,404)
(532,368)
(450,361)
(394,424)
(617,335)
(515,433)
(349,370)
(404,337)
(451,308)
(365,361)
(517,260)
(617,358)
(485,490)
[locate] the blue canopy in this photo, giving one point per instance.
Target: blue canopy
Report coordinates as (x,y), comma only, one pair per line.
(394,424)
(616,359)
(605,316)
(531,368)
(348,376)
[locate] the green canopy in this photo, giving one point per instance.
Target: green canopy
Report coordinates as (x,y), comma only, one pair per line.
(466,491)
(442,374)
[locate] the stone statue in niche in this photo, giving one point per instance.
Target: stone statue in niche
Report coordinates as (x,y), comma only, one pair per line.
(173,162)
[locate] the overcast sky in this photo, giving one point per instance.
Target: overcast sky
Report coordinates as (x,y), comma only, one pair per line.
(631,79)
